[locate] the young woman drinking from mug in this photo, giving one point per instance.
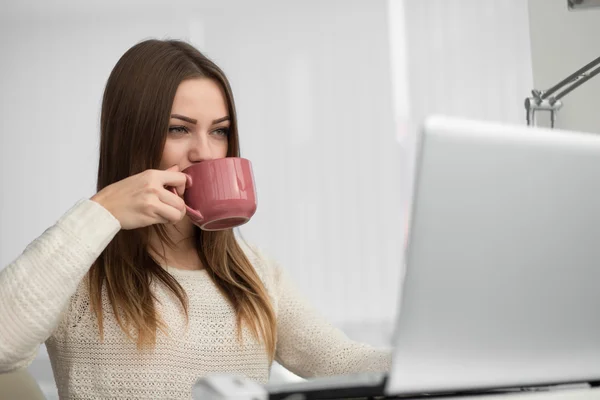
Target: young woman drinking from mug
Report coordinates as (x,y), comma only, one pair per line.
(130,297)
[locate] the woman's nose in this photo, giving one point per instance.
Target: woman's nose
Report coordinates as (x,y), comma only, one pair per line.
(201,150)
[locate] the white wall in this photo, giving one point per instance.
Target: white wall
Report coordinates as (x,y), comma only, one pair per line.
(469,58)
(562,42)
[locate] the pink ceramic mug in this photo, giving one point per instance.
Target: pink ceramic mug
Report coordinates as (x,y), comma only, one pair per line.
(221,194)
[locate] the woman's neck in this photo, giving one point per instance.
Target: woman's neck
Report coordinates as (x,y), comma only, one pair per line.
(184,254)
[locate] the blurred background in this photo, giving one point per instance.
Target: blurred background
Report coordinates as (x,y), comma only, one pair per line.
(329,93)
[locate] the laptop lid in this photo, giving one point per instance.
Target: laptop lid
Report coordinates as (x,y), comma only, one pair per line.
(502,287)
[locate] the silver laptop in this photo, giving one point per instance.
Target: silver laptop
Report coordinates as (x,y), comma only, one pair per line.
(502,288)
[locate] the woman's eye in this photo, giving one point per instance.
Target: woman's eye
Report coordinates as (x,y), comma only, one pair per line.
(178,129)
(221,132)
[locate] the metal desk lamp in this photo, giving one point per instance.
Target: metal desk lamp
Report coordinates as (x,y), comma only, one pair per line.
(549,100)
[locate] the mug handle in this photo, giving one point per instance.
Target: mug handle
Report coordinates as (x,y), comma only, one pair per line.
(193,214)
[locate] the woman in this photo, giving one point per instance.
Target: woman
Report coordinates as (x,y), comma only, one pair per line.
(131,299)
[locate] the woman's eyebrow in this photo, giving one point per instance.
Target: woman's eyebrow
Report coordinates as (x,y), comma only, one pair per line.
(222,119)
(194,121)
(184,118)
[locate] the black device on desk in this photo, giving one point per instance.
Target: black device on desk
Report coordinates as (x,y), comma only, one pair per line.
(337,387)
(503,265)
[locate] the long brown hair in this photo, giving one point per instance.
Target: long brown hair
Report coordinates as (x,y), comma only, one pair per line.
(134,122)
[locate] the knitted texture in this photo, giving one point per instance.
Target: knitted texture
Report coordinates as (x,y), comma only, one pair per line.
(44,298)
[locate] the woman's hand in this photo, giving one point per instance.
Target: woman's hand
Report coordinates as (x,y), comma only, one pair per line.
(141,200)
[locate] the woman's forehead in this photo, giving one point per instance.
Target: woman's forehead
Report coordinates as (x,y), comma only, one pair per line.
(200,99)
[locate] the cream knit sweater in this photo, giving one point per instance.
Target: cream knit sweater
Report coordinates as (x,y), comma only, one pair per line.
(43,298)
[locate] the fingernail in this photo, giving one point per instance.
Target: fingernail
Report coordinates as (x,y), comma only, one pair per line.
(188,181)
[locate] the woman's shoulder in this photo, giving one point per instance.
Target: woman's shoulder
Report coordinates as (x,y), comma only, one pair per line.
(76,312)
(257,257)
(266,268)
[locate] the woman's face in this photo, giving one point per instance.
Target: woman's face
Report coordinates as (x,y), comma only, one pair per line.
(199,124)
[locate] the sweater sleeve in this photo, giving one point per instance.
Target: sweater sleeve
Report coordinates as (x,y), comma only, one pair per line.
(309,346)
(36,288)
